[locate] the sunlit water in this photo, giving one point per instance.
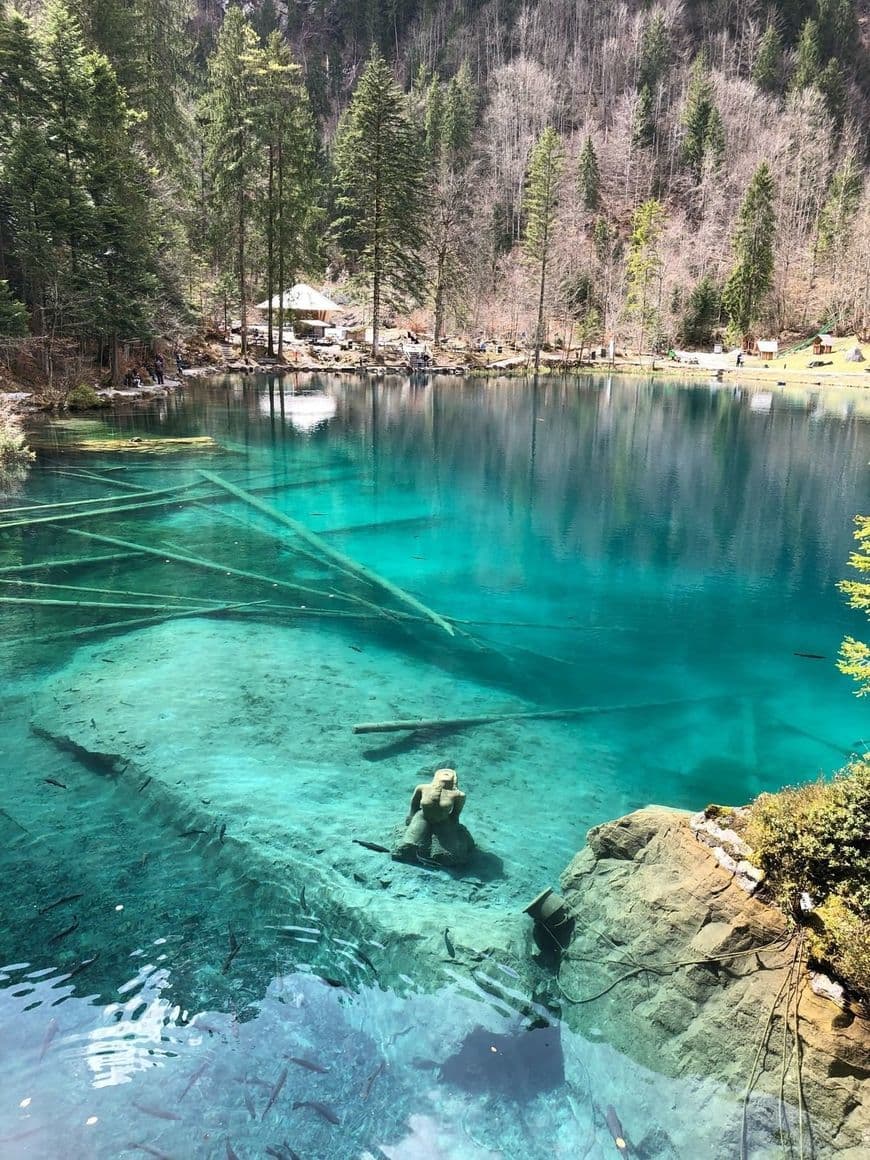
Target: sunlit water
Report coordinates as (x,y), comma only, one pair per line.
(604,544)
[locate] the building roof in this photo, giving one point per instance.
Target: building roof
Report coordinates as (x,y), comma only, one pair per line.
(768,345)
(825,339)
(304,298)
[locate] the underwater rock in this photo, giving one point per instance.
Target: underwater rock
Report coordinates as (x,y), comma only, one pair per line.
(710,963)
(512,1067)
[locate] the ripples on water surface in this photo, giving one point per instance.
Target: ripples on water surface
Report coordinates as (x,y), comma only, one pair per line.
(194,945)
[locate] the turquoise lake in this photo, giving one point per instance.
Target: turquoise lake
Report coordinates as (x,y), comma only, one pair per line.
(188,909)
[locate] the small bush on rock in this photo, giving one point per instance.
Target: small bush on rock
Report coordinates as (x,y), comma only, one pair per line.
(83,398)
(815,839)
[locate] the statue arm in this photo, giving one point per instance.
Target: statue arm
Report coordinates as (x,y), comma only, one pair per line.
(458,803)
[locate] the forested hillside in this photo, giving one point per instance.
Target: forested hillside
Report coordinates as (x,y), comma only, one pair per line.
(656,173)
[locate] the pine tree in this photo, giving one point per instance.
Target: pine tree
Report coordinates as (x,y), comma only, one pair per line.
(832,87)
(838,29)
(433,119)
(702,313)
(540,204)
(121,286)
(232,155)
(282,117)
(752,276)
(655,52)
(589,178)
(644,267)
(702,125)
(767,69)
(13,314)
(19,72)
(841,206)
(459,111)
(808,61)
(381,188)
(643,129)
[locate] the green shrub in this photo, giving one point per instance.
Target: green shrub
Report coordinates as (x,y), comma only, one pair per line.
(83,398)
(816,839)
(15,455)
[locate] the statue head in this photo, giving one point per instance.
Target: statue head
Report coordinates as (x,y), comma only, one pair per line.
(445,778)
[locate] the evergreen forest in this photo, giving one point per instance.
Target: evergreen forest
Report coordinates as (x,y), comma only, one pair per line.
(657,173)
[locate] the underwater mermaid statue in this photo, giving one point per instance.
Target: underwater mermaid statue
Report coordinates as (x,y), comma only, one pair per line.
(433,831)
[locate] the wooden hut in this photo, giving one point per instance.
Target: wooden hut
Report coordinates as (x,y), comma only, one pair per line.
(823,344)
(767,348)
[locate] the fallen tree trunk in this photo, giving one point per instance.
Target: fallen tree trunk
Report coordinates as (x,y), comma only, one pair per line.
(198,562)
(447,723)
(74,562)
(339,557)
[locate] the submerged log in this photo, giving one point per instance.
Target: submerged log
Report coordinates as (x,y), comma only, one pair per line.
(197,562)
(448,723)
(158,446)
(73,562)
(340,558)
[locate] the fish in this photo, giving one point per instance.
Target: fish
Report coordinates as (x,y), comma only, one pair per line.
(223,831)
(616,1130)
(59,902)
(50,1032)
(448,942)
(811,656)
(54,781)
(333,982)
(63,933)
(83,966)
(302,901)
(322,1109)
(308,1063)
(151,1151)
(231,1153)
(371,846)
(235,947)
(189,833)
(249,1104)
(367,1086)
(147,781)
(356,648)
(194,1077)
(276,1091)
(158,1113)
(368,962)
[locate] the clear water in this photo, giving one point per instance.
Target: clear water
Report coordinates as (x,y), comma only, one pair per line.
(602,543)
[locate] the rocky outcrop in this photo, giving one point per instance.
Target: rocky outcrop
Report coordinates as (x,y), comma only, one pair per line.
(696,977)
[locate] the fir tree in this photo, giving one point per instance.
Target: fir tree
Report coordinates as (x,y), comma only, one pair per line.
(539,205)
(841,206)
(644,266)
(767,69)
(13,314)
(380,188)
(702,125)
(458,124)
(643,129)
(433,119)
(702,313)
(286,132)
(808,61)
(655,52)
(838,29)
(833,89)
(589,178)
(232,156)
(752,276)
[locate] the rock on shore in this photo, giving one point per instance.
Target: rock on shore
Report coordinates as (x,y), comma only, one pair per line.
(646,891)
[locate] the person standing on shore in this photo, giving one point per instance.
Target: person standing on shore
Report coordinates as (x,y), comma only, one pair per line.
(159,364)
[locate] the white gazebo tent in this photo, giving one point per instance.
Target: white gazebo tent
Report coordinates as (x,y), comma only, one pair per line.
(302,301)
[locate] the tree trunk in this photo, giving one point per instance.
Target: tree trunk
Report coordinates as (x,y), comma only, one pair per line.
(280,248)
(270,260)
(243,301)
(540,324)
(439,294)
